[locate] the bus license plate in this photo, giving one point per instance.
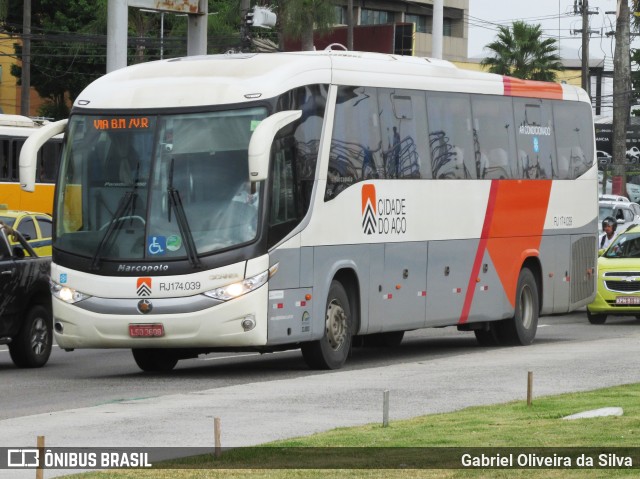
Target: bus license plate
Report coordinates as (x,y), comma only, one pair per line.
(146,330)
(628,300)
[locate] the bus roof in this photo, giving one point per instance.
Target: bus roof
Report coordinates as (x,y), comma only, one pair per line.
(16,120)
(239,78)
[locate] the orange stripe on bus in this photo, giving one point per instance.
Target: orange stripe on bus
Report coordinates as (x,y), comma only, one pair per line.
(531,88)
(516,228)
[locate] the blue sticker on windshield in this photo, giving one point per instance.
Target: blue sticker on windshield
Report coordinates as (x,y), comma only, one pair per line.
(156,245)
(536,144)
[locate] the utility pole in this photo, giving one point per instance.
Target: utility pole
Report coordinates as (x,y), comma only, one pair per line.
(25,79)
(437,28)
(581,7)
(621,94)
(586,81)
(350,25)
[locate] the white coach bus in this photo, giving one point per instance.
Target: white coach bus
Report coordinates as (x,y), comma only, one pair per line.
(316,200)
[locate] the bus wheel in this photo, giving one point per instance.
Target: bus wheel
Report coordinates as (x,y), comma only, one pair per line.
(332,350)
(521,329)
(596,318)
(31,348)
(155,360)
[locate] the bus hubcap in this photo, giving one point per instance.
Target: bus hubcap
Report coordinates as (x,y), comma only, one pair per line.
(336,325)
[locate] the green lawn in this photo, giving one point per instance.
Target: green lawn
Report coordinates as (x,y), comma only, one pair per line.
(511,425)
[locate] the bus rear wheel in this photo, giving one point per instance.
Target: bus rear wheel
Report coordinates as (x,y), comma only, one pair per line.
(155,360)
(331,351)
(521,329)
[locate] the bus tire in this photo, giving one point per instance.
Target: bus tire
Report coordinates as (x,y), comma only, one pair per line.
(331,351)
(521,329)
(31,348)
(155,360)
(596,318)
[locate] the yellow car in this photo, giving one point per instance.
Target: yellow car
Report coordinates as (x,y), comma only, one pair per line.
(35,228)
(618,279)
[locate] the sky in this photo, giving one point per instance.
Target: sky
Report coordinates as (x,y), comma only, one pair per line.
(557,20)
(555,16)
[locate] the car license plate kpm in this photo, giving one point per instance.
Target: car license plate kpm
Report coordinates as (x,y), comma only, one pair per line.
(627,299)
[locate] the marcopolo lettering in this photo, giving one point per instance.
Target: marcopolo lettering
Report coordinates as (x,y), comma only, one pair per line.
(142,268)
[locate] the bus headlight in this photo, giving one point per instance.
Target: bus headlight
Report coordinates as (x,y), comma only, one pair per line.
(66,294)
(233,290)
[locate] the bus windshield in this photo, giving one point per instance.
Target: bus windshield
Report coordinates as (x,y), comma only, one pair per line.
(136,187)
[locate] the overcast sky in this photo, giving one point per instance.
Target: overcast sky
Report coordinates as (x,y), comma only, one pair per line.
(555,16)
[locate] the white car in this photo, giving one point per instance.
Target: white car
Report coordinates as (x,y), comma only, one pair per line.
(604,158)
(625,214)
(633,154)
(624,199)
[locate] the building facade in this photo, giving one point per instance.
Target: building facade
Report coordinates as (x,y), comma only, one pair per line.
(420,13)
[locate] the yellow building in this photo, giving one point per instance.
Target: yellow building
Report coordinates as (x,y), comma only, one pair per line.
(10,91)
(572,75)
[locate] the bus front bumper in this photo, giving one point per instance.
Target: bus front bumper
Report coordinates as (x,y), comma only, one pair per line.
(221,325)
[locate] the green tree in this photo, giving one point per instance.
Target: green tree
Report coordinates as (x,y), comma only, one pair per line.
(298,18)
(521,52)
(69,47)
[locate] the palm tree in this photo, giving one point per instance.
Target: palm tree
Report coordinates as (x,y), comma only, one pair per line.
(520,51)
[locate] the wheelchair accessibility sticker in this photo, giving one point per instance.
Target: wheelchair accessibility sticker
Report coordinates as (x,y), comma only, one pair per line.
(156,245)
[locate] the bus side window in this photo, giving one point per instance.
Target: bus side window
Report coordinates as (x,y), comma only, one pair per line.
(535,137)
(356,147)
(4,159)
(574,138)
(451,136)
(48,162)
(16,146)
(402,120)
(494,134)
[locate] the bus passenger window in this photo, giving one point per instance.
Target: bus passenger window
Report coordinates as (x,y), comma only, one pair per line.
(574,139)
(450,136)
(4,159)
(494,135)
(356,147)
(535,139)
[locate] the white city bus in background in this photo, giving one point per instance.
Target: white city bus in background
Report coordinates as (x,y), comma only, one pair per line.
(317,200)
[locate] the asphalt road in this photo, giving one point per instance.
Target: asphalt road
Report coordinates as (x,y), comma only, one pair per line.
(99,398)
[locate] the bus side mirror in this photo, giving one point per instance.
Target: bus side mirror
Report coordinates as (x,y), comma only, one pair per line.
(29,152)
(261,140)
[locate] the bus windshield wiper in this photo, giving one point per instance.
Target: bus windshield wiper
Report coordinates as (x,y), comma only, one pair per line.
(123,207)
(175,202)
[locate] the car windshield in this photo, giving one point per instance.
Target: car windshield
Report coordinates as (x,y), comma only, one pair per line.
(7,220)
(172,186)
(605,211)
(626,245)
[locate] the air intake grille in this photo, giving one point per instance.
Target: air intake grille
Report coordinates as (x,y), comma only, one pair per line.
(583,268)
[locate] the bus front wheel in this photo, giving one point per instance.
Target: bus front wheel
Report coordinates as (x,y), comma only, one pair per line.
(331,351)
(521,329)
(155,360)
